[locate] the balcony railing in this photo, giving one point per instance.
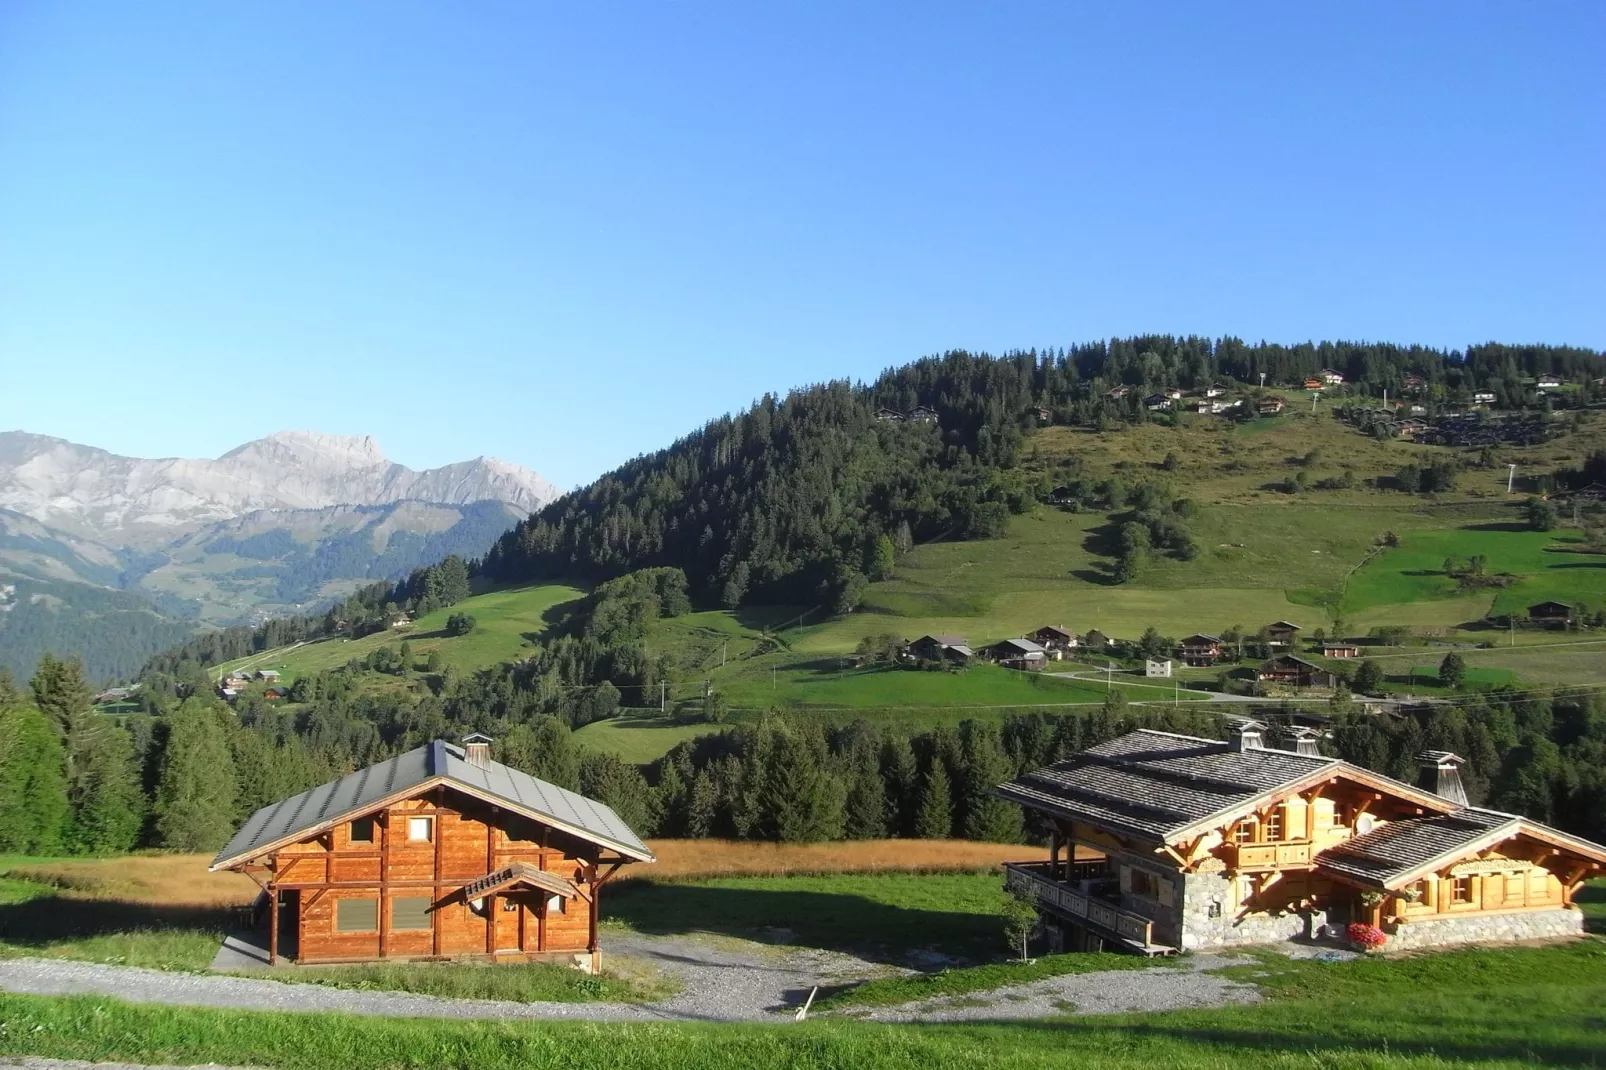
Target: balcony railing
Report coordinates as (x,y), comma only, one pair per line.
(1251,856)
(1069,901)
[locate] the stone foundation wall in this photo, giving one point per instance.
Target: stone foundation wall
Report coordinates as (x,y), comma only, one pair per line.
(1486,928)
(1208,917)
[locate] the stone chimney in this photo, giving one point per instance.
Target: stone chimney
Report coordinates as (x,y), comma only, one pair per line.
(1246,735)
(477,749)
(1303,740)
(1441,774)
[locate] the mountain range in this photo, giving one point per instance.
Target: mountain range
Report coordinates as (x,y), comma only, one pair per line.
(112,557)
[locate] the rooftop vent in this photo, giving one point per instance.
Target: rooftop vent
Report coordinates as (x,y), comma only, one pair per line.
(1247,735)
(477,749)
(1441,774)
(1303,740)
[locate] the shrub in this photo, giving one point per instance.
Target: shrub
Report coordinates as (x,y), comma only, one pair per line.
(460,624)
(1364,937)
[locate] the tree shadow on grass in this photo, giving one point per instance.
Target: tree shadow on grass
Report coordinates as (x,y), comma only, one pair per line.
(1497,525)
(829,920)
(1448,1041)
(1594,921)
(51,918)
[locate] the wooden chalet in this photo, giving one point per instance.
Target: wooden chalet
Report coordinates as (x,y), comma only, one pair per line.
(1271,406)
(1314,383)
(950,648)
(437,853)
(1331,377)
(1162,842)
(1201,650)
(1331,649)
(1550,614)
(1041,415)
(921,414)
(1054,638)
(1019,654)
(889,414)
(1094,639)
(1282,633)
(1288,669)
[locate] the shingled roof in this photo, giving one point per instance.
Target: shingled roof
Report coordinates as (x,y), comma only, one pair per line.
(1160,787)
(1396,853)
(1397,848)
(1156,784)
(438,762)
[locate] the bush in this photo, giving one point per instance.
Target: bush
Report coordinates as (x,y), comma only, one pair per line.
(460,624)
(1364,937)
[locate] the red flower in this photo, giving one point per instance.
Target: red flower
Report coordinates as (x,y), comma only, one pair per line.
(1364,936)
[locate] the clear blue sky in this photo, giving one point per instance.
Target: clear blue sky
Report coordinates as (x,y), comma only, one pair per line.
(564,235)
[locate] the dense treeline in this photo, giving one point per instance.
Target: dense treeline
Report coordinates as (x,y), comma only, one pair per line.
(797,500)
(74,781)
(112,632)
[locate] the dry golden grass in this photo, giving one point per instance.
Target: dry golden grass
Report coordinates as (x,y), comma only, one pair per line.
(685,859)
(171,880)
(182,880)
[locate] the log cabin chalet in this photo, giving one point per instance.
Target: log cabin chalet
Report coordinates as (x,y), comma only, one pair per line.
(1162,842)
(435,853)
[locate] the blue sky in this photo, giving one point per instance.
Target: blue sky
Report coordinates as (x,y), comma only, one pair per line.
(566,235)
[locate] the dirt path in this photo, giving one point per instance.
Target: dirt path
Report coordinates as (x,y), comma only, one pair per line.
(723,980)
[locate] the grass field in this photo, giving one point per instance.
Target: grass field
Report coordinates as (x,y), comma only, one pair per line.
(1479,1008)
(507,621)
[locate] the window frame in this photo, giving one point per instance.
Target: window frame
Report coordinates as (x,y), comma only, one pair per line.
(1244,831)
(351,831)
(341,927)
(1460,891)
(1273,828)
(429,830)
(396,926)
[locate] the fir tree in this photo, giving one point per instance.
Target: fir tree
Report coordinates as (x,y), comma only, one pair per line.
(62,694)
(111,809)
(934,817)
(866,817)
(901,776)
(33,785)
(984,816)
(195,797)
(802,802)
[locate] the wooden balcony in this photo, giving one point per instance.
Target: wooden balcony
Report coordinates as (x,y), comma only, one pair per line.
(1249,857)
(1133,931)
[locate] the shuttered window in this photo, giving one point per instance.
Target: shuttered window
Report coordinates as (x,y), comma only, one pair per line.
(356,915)
(410,912)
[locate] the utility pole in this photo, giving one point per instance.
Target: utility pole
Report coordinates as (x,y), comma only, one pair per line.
(723,651)
(1511,477)
(663,696)
(1262,380)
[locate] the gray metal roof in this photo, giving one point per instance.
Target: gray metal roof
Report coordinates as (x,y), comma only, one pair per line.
(1155,784)
(1397,848)
(350,796)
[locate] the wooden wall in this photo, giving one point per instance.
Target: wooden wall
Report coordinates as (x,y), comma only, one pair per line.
(468,839)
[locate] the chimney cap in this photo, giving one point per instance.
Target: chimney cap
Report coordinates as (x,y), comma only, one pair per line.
(1440,757)
(477,737)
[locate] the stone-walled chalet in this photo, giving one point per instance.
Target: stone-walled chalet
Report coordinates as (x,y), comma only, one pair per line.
(1162,842)
(435,853)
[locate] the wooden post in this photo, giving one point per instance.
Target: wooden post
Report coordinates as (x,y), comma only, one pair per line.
(440,841)
(273,925)
(596,893)
(384,884)
(490,923)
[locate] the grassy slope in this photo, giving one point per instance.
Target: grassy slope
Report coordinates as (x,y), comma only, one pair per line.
(507,621)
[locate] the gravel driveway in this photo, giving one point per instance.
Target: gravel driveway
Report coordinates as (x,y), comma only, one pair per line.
(723,980)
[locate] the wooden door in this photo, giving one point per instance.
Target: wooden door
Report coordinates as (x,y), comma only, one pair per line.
(508,921)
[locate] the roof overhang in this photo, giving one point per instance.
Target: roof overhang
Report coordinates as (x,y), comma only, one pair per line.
(1517,826)
(438,780)
(515,873)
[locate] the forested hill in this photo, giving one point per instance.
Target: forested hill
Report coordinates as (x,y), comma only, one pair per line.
(802,499)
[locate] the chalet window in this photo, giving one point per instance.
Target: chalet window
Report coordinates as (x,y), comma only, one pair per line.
(419,828)
(1145,884)
(1461,890)
(1340,814)
(1244,832)
(410,912)
(362,830)
(1274,826)
(356,915)
(557,903)
(1516,887)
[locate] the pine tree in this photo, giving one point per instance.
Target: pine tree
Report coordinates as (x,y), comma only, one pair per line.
(62,694)
(984,816)
(900,776)
(33,784)
(196,794)
(934,818)
(867,798)
(111,810)
(611,780)
(543,749)
(802,802)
